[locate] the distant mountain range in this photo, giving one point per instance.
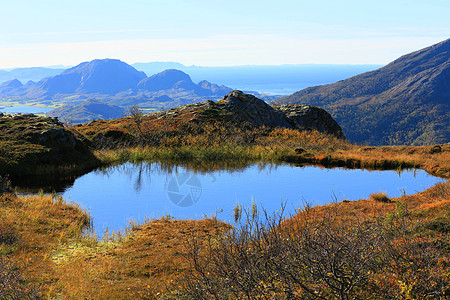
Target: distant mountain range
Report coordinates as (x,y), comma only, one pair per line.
(273,79)
(405,102)
(115,82)
(29,74)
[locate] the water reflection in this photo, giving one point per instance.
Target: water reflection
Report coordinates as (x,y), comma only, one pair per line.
(117,194)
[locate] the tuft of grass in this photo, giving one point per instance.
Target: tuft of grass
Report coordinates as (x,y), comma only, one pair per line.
(380,197)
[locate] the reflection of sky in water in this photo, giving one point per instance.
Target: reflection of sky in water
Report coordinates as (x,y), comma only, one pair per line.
(133,192)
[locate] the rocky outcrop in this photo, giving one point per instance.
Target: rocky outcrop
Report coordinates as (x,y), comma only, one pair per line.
(244,109)
(29,142)
(251,109)
(48,132)
(254,110)
(308,117)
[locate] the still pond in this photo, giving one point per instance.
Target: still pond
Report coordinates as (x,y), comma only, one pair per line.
(116,195)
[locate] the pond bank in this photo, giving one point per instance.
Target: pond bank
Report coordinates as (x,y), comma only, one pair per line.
(47,244)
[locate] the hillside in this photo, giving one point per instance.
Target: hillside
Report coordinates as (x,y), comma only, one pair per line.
(405,102)
(237,112)
(104,76)
(91,109)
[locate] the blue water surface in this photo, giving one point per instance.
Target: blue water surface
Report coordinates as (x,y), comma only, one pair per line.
(25,109)
(117,195)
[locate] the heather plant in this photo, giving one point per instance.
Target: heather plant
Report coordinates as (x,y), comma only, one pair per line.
(314,256)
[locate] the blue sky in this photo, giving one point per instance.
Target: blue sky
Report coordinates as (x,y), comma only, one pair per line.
(217,33)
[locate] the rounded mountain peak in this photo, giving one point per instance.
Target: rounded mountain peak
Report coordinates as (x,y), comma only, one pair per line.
(15,83)
(108,76)
(166,80)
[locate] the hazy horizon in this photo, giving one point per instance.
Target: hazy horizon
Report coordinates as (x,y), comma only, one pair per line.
(186,66)
(267,79)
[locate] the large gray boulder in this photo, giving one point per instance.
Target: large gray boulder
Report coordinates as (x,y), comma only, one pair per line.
(311,117)
(256,111)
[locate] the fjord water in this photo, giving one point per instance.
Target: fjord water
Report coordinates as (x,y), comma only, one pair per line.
(25,110)
(116,195)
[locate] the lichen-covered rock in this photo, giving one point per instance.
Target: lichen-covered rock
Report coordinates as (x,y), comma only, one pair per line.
(259,113)
(254,110)
(308,116)
(29,143)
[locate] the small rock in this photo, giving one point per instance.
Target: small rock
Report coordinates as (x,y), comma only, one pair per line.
(28,115)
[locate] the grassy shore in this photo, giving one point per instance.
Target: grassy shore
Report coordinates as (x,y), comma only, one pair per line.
(38,146)
(350,156)
(46,239)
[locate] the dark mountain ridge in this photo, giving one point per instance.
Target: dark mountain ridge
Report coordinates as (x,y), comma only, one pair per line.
(405,102)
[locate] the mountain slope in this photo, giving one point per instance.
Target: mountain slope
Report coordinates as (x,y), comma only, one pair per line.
(173,79)
(105,76)
(91,109)
(167,80)
(405,102)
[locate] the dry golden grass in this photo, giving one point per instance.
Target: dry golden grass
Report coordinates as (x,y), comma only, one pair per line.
(424,157)
(46,242)
(380,196)
(141,266)
(431,203)
(41,223)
